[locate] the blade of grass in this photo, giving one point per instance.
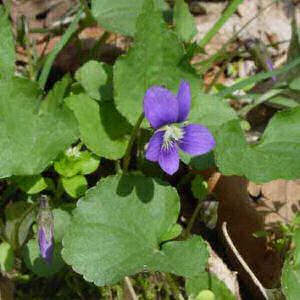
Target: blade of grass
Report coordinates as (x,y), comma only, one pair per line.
(257,78)
(57,48)
(220,52)
(229,11)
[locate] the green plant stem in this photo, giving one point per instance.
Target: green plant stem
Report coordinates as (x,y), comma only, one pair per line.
(173,285)
(19,223)
(57,48)
(192,220)
(93,53)
(136,127)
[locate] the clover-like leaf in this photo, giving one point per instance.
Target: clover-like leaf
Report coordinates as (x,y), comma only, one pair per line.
(74,186)
(30,139)
(275,156)
(7,46)
(154,59)
(102,128)
(31,184)
(117,229)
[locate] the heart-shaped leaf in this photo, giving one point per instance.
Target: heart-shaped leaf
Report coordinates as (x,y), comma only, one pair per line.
(275,156)
(117,229)
(102,128)
(153,60)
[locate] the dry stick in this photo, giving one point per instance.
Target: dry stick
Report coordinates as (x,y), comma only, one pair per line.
(242,261)
(130,288)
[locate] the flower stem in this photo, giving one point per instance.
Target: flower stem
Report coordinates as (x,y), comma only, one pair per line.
(192,221)
(136,127)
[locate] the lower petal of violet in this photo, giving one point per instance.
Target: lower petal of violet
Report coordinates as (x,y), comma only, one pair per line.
(196,140)
(154,146)
(169,159)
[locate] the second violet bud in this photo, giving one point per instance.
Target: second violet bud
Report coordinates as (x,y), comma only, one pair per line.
(45,230)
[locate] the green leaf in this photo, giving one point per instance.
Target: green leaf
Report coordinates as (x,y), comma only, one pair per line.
(184,22)
(62,220)
(102,128)
(13,215)
(31,184)
(37,264)
(153,60)
(68,165)
(120,15)
(210,111)
(7,47)
(96,79)
(173,232)
(6,257)
(89,162)
(56,96)
(74,186)
(295,84)
(290,278)
(30,140)
(275,156)
(206,281)
(117,229)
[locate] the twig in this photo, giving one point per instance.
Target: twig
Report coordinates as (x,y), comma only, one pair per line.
(242,261)
(130,288)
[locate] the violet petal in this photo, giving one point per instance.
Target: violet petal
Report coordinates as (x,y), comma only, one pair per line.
(154,146)
(169,159)
(160,106)
(271,67)
(196,140)
(46,247)
(184,101)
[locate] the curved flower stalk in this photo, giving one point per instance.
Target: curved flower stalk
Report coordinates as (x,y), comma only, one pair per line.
(45,231)
(165,112)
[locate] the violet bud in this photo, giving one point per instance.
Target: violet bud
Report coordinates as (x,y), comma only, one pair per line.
(271,68)
(45,230)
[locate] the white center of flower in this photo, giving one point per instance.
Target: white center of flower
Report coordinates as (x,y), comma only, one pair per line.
(172,135)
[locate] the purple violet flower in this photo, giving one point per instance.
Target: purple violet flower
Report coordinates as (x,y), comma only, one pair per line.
(165,112)
(45,231)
